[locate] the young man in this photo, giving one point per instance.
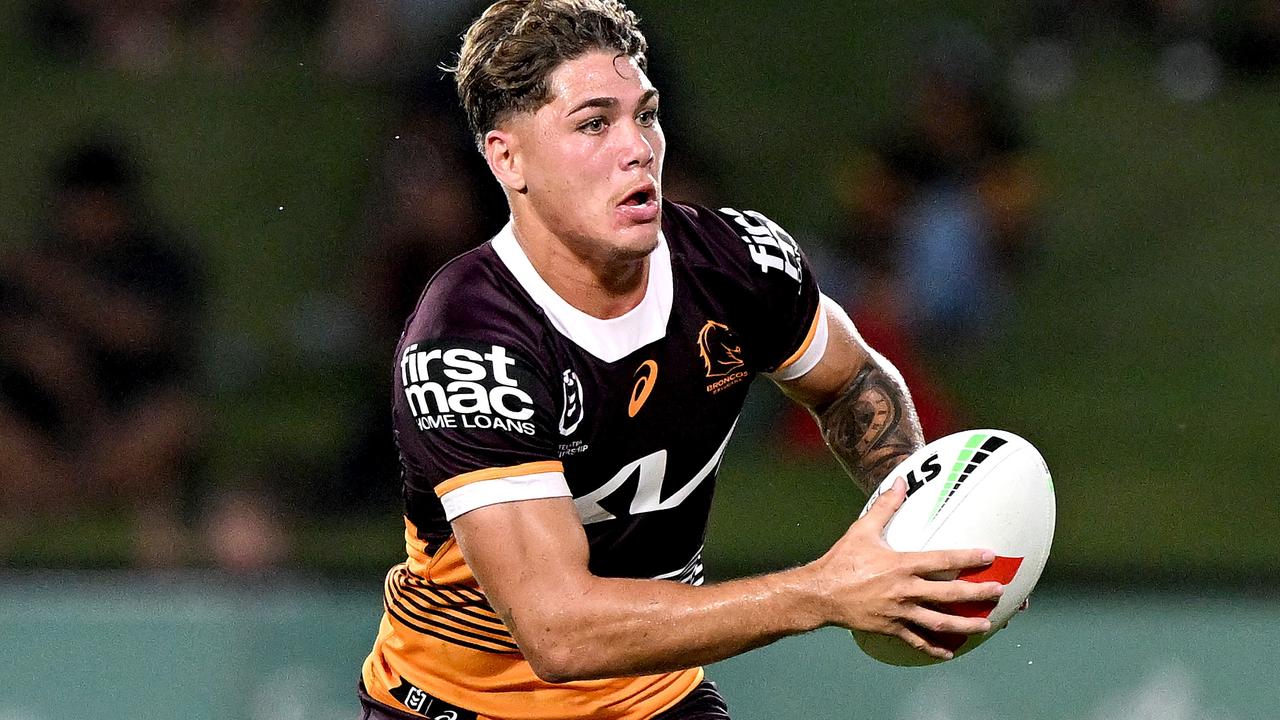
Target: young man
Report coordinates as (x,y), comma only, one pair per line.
(565,394)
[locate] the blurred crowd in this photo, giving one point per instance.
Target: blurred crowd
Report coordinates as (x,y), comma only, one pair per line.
(1201,45)
(104,405)
(360,38)
(99,332)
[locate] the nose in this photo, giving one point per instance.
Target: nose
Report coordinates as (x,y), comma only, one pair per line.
(638,150)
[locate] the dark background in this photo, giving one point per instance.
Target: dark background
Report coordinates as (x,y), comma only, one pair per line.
(1134,337)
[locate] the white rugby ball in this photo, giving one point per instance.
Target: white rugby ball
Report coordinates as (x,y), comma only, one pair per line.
(986,489)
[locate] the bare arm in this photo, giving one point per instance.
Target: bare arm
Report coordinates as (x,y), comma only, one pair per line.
(860,402)
(572,625)
(531,560)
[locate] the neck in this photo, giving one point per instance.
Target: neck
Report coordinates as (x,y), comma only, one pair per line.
(602,287)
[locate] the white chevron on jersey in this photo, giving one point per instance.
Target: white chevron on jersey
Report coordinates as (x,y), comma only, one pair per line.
(652,469)
(691,574)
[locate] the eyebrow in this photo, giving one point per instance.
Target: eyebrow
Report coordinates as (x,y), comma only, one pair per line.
(611,102)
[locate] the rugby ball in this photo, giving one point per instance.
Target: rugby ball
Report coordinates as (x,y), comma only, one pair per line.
(986,489)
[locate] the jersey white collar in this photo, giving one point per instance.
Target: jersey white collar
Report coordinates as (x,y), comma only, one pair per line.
(612,339)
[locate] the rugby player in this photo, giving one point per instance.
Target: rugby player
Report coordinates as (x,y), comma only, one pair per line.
(564,396)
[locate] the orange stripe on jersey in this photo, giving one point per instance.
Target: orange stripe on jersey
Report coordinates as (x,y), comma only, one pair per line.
(455,598)
(444,567)
(502,686)
(439,632)
(443,626)
(808,340)
(543,466)
(432,607)
(417,548)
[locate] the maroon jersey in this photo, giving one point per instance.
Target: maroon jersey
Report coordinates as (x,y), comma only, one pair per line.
(505,392)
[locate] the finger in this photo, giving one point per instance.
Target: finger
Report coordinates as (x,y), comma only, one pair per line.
(940,622)
(932,561)
(956,591)
(917,641)
(887,504)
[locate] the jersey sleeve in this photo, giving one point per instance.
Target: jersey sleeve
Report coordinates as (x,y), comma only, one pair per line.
(473,410)
(785,318)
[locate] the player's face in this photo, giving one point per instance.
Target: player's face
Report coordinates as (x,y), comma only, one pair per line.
(592,158)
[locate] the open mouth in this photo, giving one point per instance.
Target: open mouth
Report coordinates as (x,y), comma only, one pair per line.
(639,197)
(640,206)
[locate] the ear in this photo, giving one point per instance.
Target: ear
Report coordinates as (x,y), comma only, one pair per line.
(501,151)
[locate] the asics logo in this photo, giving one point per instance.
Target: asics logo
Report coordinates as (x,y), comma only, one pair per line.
(647,375)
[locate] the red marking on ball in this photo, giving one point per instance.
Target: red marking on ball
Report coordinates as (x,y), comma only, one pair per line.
(1002,571)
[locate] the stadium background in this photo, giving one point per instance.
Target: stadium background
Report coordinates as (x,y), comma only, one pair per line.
(1138,349)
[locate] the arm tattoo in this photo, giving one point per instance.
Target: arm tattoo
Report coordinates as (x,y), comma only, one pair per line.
(871,426)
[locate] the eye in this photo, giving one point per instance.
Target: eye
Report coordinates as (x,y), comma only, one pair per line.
(648,118)
(594,126)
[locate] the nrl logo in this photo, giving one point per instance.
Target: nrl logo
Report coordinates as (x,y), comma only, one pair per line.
(721,354)
(572,412)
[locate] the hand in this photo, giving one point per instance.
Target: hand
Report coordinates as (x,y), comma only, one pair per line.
(871,587)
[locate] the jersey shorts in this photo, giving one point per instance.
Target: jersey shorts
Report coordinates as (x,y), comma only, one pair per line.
(504,392)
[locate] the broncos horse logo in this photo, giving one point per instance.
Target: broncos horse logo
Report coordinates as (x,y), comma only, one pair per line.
(720,350)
